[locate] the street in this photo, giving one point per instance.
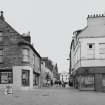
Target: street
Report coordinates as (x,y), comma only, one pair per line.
(53,96)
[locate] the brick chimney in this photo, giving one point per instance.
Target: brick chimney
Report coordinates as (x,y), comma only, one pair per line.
(1,15)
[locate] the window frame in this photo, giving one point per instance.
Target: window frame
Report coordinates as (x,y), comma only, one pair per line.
(1,36)
(101,48)
(27,55)
(92,44)
(24,80)
(7,76)
(1,56)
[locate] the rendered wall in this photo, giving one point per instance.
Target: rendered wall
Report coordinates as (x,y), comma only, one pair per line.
(17,77)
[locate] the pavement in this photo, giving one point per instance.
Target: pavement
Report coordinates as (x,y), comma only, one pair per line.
(53,96)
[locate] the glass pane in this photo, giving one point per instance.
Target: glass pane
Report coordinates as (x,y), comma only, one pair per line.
(6,77)
(25,52)
(87,81)
(1,33)
(1,59)
(1,52)
(1,37)
(25,58)
(25,77)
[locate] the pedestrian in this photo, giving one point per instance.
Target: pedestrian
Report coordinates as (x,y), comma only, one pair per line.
(51,82)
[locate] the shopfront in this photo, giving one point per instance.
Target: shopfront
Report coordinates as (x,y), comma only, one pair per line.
(86,82)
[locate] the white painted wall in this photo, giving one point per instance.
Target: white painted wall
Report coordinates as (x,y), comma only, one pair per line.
(99,59)
(94,33)
(87,60)
(17,77)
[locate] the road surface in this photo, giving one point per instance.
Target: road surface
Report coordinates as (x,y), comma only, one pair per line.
(53,96)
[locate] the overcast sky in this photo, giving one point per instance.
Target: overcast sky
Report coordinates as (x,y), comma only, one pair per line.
(51,23)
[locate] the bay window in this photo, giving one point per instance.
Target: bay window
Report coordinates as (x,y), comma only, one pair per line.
(25,53)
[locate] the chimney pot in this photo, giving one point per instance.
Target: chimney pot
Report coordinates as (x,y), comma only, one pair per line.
(1,12)
(2,17)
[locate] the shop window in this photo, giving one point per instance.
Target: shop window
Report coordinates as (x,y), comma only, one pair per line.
(25,53)
(87,81)
(6,77)
(25,77)
(103,80)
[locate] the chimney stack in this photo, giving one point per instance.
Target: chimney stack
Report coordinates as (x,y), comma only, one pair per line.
(2,17)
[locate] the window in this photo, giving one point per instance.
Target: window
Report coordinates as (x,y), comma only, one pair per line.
(87,81)
(25,77)
(1,37)
(91,45)
(102,50)
(1,55)
(6,77)
(33,59)
(91,50)
(25,55)
(35,79)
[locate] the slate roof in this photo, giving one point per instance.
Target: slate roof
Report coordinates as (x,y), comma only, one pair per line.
(95,28)
(5,27)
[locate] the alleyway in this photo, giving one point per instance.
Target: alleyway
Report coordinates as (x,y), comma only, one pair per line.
(53,96)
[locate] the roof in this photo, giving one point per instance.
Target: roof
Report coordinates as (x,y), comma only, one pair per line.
(95,27)
(98,31)
(23,42)
(5,27)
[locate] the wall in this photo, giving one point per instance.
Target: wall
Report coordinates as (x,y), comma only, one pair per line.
(75,56)
(83,57)
(97,59)
(17,77)
(44,71)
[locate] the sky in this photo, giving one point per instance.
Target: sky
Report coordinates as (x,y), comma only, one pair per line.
(51,23)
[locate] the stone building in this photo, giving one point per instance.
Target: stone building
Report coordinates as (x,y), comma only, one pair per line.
(87,55)
(20,63)
(46,71)
(49,68)
(55,73)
